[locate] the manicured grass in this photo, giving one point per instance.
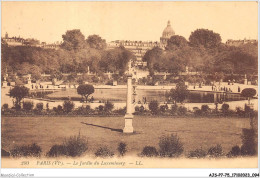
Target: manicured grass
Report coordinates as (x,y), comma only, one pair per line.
(100,131)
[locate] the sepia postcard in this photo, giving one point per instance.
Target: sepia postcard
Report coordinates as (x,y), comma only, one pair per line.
(163,84)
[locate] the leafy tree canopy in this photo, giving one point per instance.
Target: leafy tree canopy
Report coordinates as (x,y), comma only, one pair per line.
(248,92)
(85,90)
(204,37)
(95,41)
(151,57)
(176,42)
(179,93)
(19,92)
(73,40)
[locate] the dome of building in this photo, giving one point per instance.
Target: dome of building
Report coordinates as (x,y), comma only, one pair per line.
(168,31)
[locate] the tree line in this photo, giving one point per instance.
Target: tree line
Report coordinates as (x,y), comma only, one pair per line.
(204,53)
(76,55)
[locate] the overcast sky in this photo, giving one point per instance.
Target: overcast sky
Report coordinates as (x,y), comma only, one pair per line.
(47,21)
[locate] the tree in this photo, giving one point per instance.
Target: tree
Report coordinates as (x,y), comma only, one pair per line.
(19,92)
(151,57)
(73,40)
(176,42)
(28,105)
(27,68)
(249,93)
(56,74)
(180,93)
(117,60)
(85,90)
(108,106)
(95,41)
(204,37)
(68,106)
(154,107)
(170,146)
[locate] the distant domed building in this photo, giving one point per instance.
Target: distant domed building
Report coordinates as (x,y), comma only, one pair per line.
(139,48)
(167,33)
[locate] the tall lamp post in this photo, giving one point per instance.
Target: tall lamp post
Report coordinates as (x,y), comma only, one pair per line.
(129,111)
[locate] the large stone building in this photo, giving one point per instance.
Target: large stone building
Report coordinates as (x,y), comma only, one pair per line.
(18,41)
(13,41)
(167,34)
(139,48)
(240,42)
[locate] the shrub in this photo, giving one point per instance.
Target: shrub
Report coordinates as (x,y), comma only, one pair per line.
(170,146)
(26,151)
(87,109)
(27,105)
(174,109)
(4,153)
(225,108)
(215,151)
(68,106)
(198,153)
(137,109)
(149,151)
(100,108)
(54,109)
(39,106)
(198,112)
(5,106)
(182,111)
(76,146)
(57,150)
(121,148)
(154,106)
(58,110)
(205,109)
(121,111)
(141,109)
(235,151)
(73,146)
(240,111)
(108,106)
(163,108)
(249,145)
(104,152)
(83,110)
(248,110)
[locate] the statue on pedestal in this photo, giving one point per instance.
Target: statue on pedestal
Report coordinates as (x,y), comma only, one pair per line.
(129,107)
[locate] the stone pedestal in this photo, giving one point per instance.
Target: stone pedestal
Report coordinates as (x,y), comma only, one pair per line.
(215,98)
(129,116)
(164,77)
(245,81)
(114,83)
(88,70)
(128,124)
(4,83)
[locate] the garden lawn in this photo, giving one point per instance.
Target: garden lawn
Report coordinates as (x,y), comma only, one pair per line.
(99,131)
